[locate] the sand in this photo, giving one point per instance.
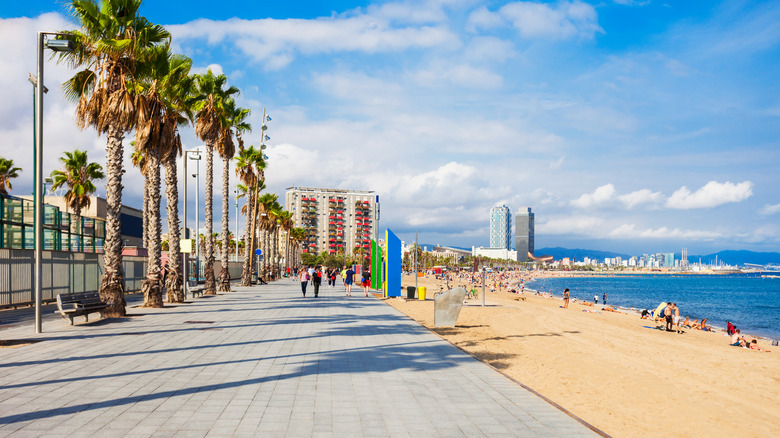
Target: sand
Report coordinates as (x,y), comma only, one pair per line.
(612,371)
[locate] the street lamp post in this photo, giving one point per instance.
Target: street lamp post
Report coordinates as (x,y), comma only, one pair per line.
(196,175)
(235,236)
(57,46)
(185,157)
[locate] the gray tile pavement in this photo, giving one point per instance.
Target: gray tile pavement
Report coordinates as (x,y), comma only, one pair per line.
(259,361)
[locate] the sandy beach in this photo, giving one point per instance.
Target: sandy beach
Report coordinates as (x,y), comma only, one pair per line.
(612,370)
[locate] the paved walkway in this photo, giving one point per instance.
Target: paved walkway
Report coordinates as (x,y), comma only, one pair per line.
(259,361)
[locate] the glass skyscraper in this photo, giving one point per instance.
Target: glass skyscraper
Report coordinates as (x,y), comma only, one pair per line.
(524,233)
(500,227)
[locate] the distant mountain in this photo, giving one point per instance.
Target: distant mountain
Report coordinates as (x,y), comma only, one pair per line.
(737,258)
(578,254)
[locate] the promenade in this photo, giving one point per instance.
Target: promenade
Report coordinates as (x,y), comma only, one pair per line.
(258,361)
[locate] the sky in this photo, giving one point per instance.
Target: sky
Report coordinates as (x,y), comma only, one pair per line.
(626,125)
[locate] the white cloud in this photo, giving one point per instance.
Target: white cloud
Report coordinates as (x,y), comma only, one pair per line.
(633,2)
(482,18)
(712,194)
(569,225)
(599,196)
(562,21)
(215,69)
(644,196)
(275,42)
(487,48)
(557,164)
(627,231)
(441,74)
(768,210)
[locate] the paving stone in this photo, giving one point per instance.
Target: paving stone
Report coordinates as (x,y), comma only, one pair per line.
(278,365)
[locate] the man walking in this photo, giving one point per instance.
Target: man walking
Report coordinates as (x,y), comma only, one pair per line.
(316,281)
(349,276)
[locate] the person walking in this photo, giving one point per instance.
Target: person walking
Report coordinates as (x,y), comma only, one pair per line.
(595,299)
(604,298)
(566,298)
(366,282)
(303,277)
(316,280)
(676,318)
(349,276)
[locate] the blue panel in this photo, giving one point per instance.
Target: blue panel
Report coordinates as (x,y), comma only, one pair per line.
(393,258)
(131,226)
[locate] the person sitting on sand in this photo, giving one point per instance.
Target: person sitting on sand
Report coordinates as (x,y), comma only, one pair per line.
(687,322)
(704,325)
(737,340)
(754,346)
(645,314)
(695,325)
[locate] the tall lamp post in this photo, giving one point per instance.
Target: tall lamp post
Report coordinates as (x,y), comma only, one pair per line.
(185,159)
(235,236)
(57,46)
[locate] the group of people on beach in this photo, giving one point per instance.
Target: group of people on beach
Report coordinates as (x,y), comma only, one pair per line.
(304,274)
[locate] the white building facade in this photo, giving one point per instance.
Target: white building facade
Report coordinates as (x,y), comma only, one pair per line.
(335,220)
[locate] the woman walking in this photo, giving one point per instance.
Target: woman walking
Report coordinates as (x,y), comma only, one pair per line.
(303,277)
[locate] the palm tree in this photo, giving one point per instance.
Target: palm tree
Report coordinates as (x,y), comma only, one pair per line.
(266,204)
(210,121)
(178,91)
(112,41)
(7,171)
(159,114)
(77,175)
(250,168)
(236,120)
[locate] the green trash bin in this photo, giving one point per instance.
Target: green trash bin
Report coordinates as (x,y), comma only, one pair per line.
(421,292)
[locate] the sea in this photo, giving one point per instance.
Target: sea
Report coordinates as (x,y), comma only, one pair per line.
(750,301)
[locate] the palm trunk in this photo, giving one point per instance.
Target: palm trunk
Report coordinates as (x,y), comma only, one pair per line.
(224,274)
(144,215)
(210,287)
(275,261)
(112,283)
(151,287)
(173,280)
(246,272)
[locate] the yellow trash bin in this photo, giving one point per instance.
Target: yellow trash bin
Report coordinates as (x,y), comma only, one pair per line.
(421,292)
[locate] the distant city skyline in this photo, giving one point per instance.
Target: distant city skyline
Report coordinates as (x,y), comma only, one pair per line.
(628,125)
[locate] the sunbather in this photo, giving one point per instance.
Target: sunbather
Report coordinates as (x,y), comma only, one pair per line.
(754,346)
(704,325)
(687,322)
(695,325)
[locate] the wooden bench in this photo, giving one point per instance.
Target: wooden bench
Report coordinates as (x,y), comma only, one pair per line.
(77,304)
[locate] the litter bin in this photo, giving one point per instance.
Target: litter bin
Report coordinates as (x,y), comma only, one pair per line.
(410,292)
(421,292)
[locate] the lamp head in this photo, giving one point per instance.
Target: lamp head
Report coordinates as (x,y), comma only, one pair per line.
(61,45)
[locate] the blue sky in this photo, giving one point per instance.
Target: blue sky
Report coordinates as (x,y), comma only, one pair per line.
(633,126)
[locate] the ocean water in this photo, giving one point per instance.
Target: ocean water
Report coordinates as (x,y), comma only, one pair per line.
(750,302)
